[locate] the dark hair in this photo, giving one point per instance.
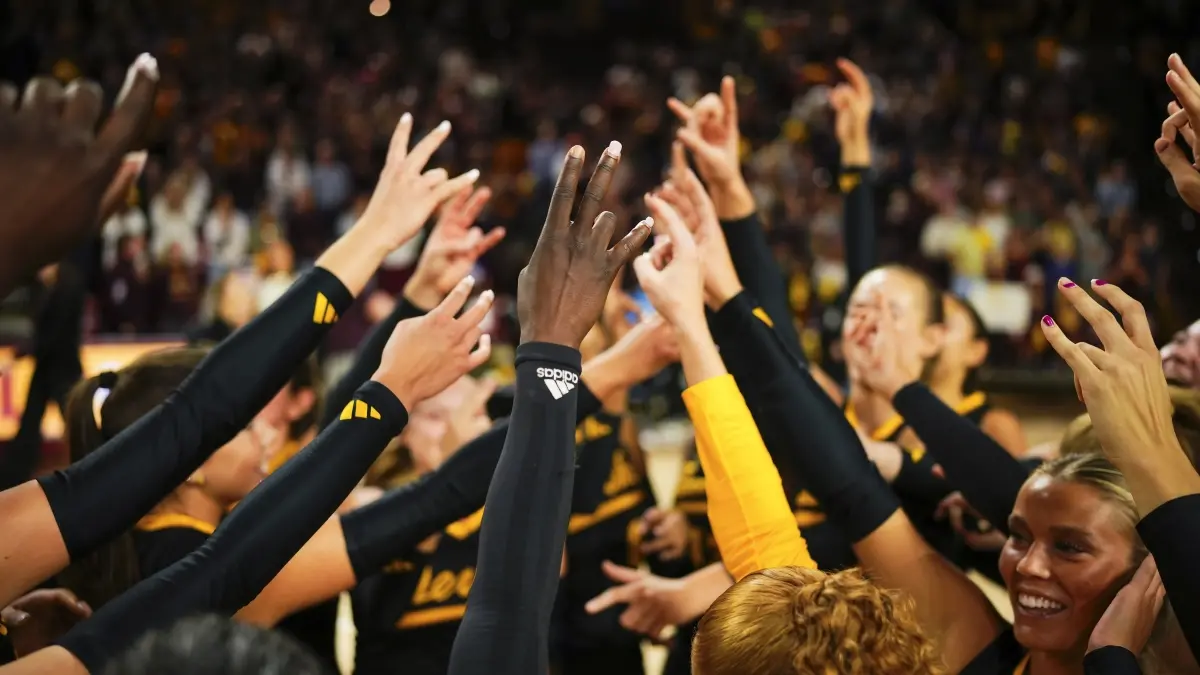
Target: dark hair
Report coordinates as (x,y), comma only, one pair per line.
(215,645)
(307,376)
(137,389)
(978,332)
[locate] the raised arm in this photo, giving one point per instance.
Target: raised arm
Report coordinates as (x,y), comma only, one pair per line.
(560,296)
(66,514)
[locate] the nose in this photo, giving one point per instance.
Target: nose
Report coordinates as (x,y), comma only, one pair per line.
(1035,563)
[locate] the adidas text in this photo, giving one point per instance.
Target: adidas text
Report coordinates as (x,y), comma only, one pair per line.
(559,382)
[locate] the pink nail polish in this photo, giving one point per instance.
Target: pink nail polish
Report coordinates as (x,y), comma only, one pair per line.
(1099,282)
(1047,320)
(1069,284)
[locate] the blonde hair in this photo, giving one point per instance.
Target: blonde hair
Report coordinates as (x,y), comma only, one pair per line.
(791,620)
(1095,471)
(1080,437)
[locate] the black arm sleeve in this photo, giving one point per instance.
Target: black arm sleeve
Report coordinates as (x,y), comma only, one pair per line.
(104,494)
(506,628)
(858,222)
(760,274)
(255,541)
(980,468)
(370,352)
(813,441)
(1172,534)
(1111,661)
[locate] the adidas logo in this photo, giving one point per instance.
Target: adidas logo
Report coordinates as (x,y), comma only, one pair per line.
(359,409)
(324,312)
(558,381)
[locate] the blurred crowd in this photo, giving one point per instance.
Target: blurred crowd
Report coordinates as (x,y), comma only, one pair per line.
(996,169)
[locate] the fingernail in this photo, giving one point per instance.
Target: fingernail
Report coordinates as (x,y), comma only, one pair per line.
(614,148)
(406,118)
(649,222)
(487,296)
(1066,283)
(472,175)
(147,64)
(576,152)
(1099,282)
(137,159)
(468,280)
(443,127)
(1047,320)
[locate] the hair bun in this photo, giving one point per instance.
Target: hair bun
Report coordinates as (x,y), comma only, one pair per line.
(107,379)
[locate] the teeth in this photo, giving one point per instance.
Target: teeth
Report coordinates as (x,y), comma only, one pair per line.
(1037,602)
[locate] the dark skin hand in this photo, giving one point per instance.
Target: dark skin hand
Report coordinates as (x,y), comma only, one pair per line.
(561,292)
(62,177)
(40,617)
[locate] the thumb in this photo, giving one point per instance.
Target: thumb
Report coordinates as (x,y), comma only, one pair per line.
(620,573)
(700,149)
(15,618)
(1172,157)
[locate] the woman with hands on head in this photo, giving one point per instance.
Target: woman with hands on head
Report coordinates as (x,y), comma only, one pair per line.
(560,295)
(142,449)
(248,549)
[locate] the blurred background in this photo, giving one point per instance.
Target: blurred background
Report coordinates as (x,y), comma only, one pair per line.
(1029,122)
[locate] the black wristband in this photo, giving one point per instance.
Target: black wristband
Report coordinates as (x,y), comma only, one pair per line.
(1111,660)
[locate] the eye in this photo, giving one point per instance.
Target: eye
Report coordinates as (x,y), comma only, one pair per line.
(1018,538)
(1068,547)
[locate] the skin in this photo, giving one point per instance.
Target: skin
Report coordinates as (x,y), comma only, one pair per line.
(1181,357)
(1073,546)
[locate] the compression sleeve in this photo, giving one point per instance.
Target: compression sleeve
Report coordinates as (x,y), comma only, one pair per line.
(1172,534)
(394,524)
(506,628)
(760,273)
(858,221)
(815,440)
(987,475)
(1111,660)
(749,512)
(256,540)
(501,402)
(105,493)
(370,353)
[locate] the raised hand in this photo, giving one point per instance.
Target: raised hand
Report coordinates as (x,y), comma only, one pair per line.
(40,617)
(652,603)
(426,354)
(670,272)
(668,533)
(452,249)
(407,195)
(852,103)
(686,194)
(561,292)
(710,131)
(1183,172)
(1129,619)
(66,177)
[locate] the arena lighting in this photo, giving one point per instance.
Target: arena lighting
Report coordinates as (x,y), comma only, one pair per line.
(380,7)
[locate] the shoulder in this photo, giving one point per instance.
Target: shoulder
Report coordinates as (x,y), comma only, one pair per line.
(1005,428)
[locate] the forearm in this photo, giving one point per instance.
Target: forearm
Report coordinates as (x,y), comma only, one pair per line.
(355,257)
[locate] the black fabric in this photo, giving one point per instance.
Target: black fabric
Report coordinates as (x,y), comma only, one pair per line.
(101,496)
(760,274)
(1172,534)
(809,439)
(987,475)
(507,625)
(159,549)
(858,221)
(1111,660)
(1002,657)
(254,542)
(316,628)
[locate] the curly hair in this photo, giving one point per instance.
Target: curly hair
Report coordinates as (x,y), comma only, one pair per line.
(791,620)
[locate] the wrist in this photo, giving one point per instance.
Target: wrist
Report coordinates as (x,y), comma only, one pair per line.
(422,293)
(856,153)
(371,238)
(401,387)
(606,374)
(720,291)
(733,200)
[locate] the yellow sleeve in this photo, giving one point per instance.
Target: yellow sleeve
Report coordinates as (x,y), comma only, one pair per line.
(749,512)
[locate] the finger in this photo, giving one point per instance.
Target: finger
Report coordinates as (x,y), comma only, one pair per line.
(481,354)
(117,192)
(654,515)
(84,101)
(452,210)
(483,391)
(1068,350)
(666,215)
(855,77)
(679,162)
(682,110)
(602,230)
(447,189)
(489,240)
(656,546)
(398,147)
(135,104)
(558,216)
(42,101)
(1181,82)
(729,102)
(424,149)
(1101,320)
(478,311)
(456,298)
(15,618)
(597,188)
(630,244)
(435,178)
(1174,123)
(1145,573)
(8,98)
(617,595)
(1176,64)
(620,573)
(1100,358)
(474,206)
(638,619)
(1133,314)
(692,140)
(1078,389)
(645,271)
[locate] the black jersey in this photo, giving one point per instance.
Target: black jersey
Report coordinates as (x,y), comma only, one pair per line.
(161,540)
(610,495)
(408,614)
(1004,656)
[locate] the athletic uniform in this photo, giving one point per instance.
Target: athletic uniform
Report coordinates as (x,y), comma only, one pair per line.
(1005,656)
(609,497)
